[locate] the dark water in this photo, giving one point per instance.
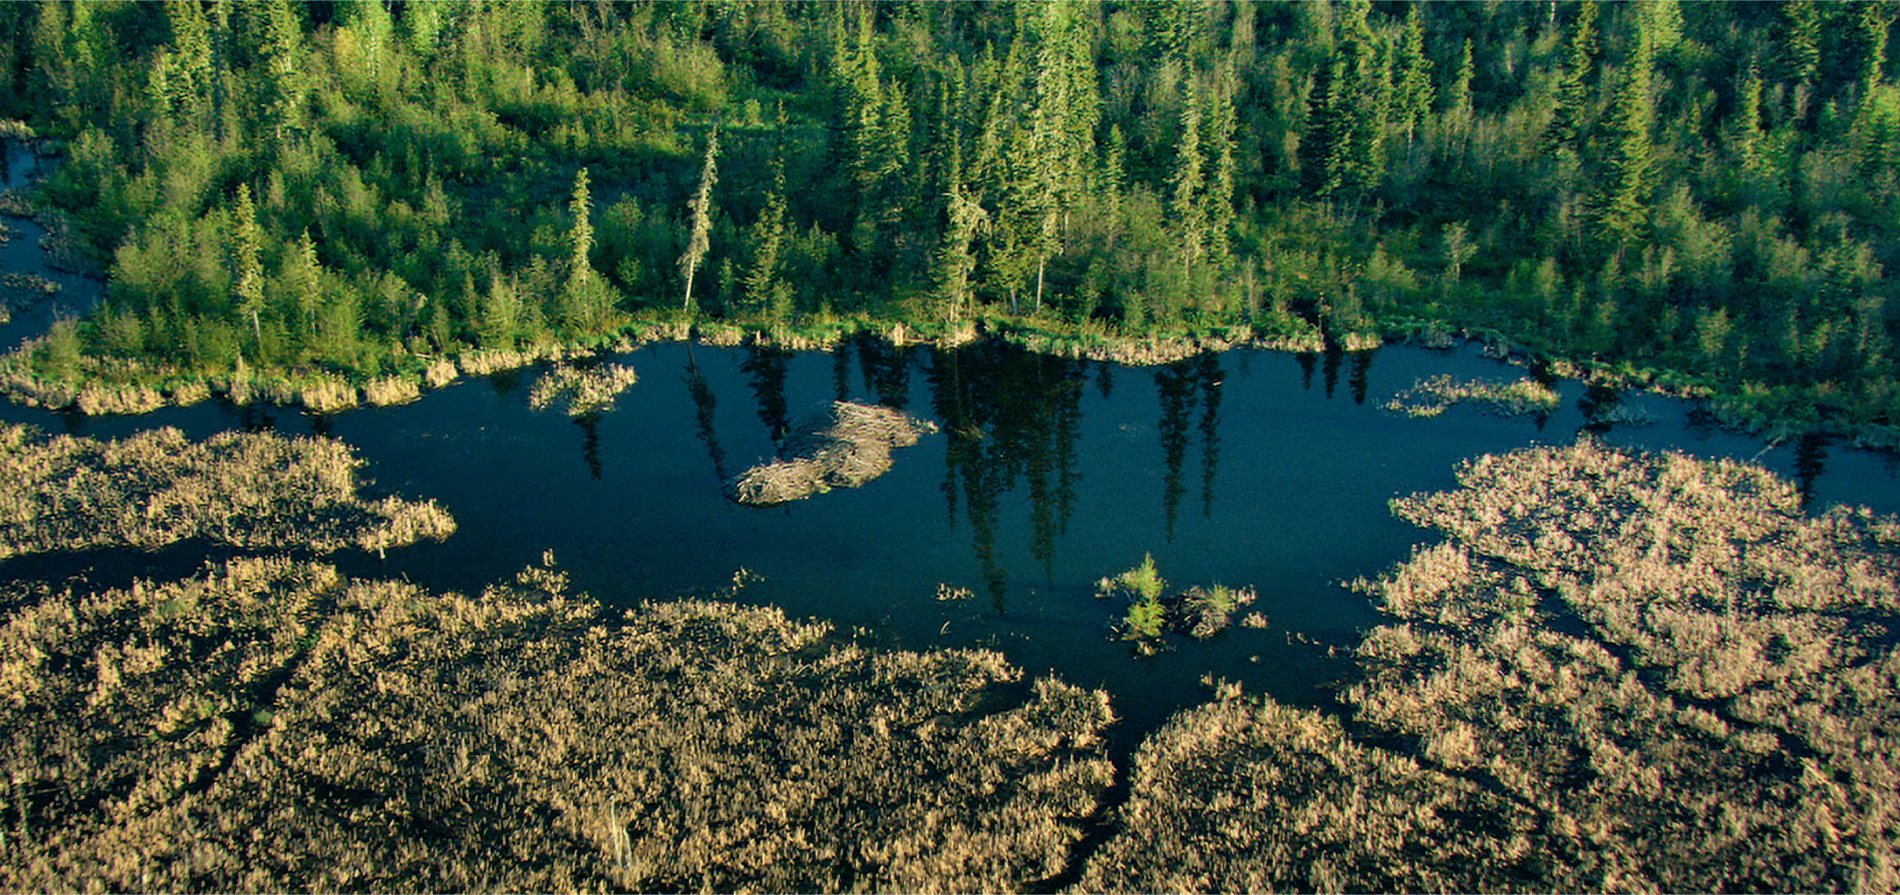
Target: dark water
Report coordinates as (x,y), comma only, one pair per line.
(1244,468)
(20,166)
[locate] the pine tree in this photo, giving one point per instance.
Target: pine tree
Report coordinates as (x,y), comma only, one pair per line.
(765,292)
(1801,44)
(1412,77)
(1458,92)
(1573,98)
(1745,124)
(1346,155)
(1184,189)
(1221,124)
(699,225)
(1626,150)
(303,277)
(955,261)
(580,239)
(193,75)
(247,269)
(285,87)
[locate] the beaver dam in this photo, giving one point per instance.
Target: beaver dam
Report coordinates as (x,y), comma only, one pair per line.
(842,446)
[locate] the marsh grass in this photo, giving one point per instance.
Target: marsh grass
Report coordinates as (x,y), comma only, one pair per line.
(270,726)
(842,446)
(581,391)
(254,491)
(1434,395)
(391,390)
(1620,671)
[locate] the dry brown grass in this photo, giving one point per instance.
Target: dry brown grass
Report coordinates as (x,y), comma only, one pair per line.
(843,446)
(581,391)
(1657,673)
(391,390)
(253,491)
(273,728)
(1241,795)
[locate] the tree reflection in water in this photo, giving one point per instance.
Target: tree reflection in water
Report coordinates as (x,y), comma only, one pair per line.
(766,367)
(1008,415)
(704,404)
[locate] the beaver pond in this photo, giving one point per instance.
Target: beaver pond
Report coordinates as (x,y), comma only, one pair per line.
(1246,468)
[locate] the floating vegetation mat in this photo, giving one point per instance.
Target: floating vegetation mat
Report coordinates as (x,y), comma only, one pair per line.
(1434,395)
(1621,671)
(843,446)
(248,490)
(273,726)
(581,391)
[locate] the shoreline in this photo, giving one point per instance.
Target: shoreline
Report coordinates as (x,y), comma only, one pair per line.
(142,389)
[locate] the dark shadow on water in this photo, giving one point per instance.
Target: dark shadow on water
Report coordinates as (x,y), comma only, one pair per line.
(1810,460)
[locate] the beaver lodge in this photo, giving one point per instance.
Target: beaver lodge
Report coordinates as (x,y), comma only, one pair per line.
(843,445)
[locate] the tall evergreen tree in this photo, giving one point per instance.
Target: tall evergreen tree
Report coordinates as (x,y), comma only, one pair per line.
(247,267)
(699,222)
(1573,98)
(1412,76)
(1624,154)
(766,292)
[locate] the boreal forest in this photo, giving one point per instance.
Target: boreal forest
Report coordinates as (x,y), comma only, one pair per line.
(1698,197)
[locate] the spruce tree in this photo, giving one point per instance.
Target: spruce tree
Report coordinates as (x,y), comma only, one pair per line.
(1573,98)
(1412,77)
(247,269)
(765,292)
(1625,150)
(699,223)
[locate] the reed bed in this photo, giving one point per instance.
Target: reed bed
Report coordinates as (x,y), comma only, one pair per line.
(1434,395)
(1620,671)
(581,391)
(391,390)
(842,446)
(272,727)
(248,490)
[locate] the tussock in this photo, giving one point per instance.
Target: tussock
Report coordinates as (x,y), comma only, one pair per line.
(1621,671)
(391,390)
(324,395)
(1434,395)
(247,490)
(843,446)
(272,727)
(440,373)
(581,391)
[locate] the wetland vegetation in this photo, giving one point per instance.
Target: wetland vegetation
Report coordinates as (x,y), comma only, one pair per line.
(1614,669)
(1620,671)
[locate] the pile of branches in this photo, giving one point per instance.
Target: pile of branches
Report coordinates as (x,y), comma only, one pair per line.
(844,445)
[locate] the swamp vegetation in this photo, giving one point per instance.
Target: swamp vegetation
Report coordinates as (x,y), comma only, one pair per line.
(1616,670)
(1620,671)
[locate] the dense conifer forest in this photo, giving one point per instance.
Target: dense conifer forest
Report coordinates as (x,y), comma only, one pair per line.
(1698,196)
